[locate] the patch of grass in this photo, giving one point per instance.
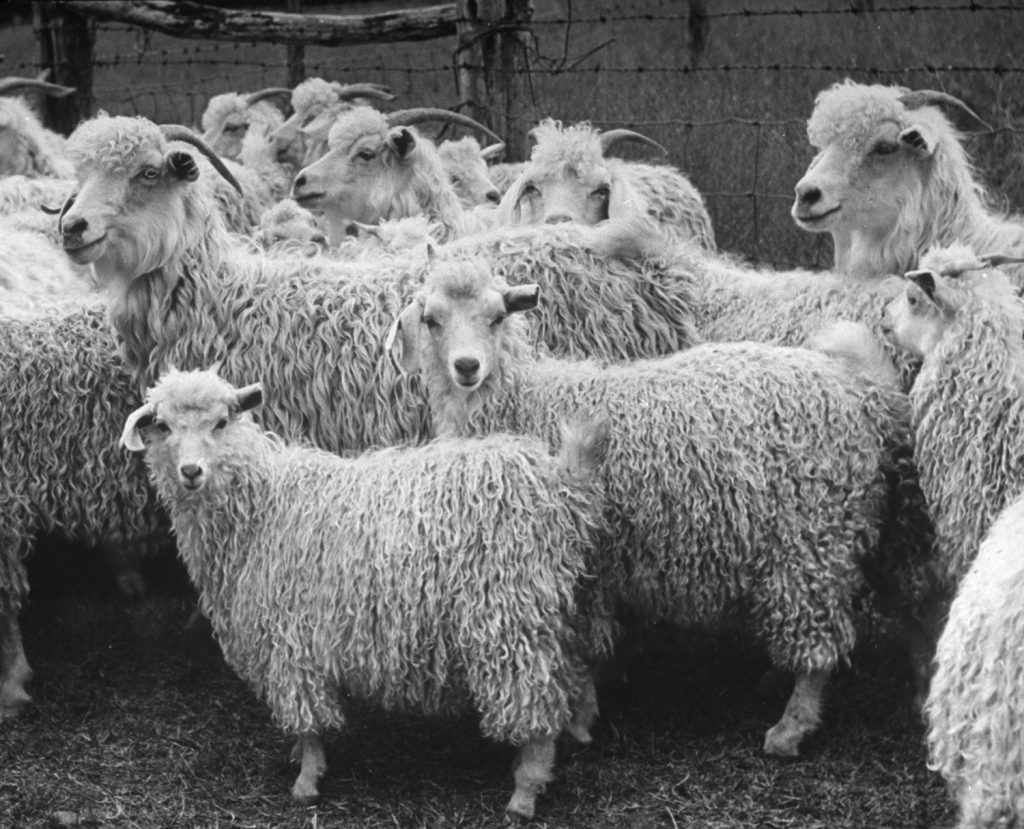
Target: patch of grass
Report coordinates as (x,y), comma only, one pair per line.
(135,724)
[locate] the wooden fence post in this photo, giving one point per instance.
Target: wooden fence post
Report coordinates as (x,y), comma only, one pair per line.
(66,44)
(296,53)
(493,67)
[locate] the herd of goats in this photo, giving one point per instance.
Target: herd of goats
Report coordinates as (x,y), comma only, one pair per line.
(442,433)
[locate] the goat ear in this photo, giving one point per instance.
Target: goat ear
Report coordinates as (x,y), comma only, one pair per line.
(522,298)
(402,342)
(623,200)
(248,398)
(182,166)
(925,280)
(919,139)
(403,140)
(141,418)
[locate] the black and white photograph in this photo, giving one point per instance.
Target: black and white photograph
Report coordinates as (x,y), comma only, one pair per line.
(571,414)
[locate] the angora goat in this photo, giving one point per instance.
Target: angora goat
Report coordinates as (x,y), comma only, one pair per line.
(739,477)
(434,579)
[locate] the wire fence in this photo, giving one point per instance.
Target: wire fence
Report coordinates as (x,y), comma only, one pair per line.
(732,114)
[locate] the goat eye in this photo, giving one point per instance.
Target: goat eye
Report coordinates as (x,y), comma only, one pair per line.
(498,320)
(149,174)
(431,323)
(884,148)
(220,424)
(911,301)
(530,189)
(162,427)
(366,155)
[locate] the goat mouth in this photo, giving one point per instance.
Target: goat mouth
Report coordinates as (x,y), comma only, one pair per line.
(86,253)
(309,198)
(192,486)
(814,218)
(468,383)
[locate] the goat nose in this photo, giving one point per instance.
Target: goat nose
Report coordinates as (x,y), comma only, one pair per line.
(467,366)
(76,226)
(808,195)
(190,471)
(318,239)
(493,196)
(558,218)
(300,182)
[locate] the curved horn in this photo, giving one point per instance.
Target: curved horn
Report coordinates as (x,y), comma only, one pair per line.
(408,117)
(269,92)
(346,92)
(612,137)
(930,97)
(176,132)
(492,151)
(11,86)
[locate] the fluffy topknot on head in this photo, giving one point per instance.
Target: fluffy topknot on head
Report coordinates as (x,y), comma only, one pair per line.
(197,390)
(313,92)
(461,276)
(221,107)
(952,260)
(118,143)
(355,123)
(285,210)
(577,147)
(848,113)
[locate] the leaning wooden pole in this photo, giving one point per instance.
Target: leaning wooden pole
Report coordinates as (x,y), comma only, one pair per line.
(66,42)
(493,67)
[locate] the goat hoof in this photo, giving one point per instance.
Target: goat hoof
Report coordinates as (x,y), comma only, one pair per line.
(305,794)
(781,743)
(521,807)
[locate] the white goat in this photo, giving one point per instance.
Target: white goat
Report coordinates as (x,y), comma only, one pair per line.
(892,179)
(568,178)
(26,146)
(379,167)
(302,138)
(383,584)
(466,163)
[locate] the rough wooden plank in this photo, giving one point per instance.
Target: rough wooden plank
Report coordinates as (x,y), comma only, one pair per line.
(198,20)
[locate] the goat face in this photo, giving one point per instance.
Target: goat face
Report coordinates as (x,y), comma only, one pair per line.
(357,178)
(129,220)
(867,191)
(226,138)
(564,195)
(917,319)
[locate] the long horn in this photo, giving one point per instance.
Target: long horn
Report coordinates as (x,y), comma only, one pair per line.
(346,92)
(269,92)
(176,132)
(925,97)
(408,117)
(612,137)
(10,86)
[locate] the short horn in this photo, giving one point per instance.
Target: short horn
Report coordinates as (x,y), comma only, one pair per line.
(612,137)
(346,92)
(408,117)
(492,151)
(997,260)
(11,86)
(930,97)
(269,92)
(176,132)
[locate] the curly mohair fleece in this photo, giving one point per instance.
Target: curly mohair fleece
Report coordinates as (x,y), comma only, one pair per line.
(426,579)
(598,301)
(954,205)
(974,709)
(40,152)
(668,196)
(968,409)
(310,327)
(65,392)
(314,329)
(739,476)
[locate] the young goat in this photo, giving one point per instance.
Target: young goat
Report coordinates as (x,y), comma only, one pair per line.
(431,579)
